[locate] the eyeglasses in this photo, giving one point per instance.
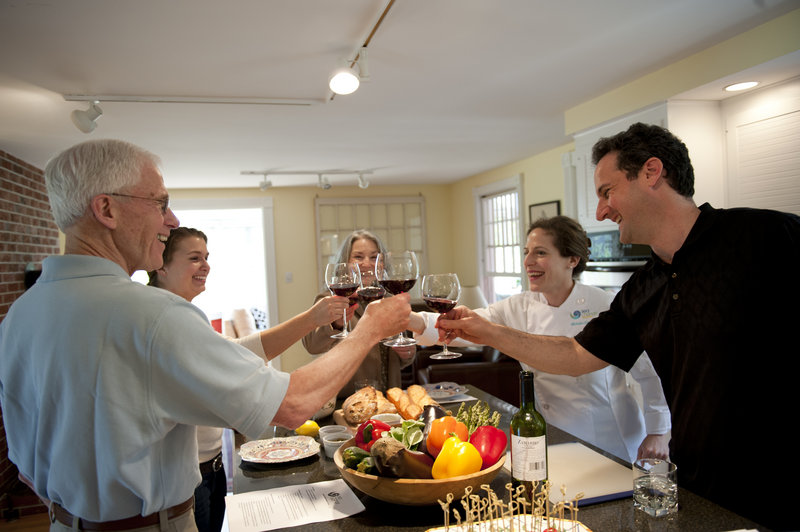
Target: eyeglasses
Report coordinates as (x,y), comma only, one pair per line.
(163,202)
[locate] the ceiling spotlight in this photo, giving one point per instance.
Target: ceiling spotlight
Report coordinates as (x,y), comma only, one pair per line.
(741,86)
(362,181)
(86,120)
(323,182)
(265,184)
(344,80)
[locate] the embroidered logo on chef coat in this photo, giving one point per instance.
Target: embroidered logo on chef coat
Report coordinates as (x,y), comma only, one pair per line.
(582,314)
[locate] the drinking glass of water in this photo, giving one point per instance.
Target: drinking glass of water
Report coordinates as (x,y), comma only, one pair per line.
(655,486)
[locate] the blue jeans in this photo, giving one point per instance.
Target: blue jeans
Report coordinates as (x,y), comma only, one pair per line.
(209,501)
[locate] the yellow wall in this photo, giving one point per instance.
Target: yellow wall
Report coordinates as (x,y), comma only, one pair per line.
(449,208)
(542,181)
(295,233)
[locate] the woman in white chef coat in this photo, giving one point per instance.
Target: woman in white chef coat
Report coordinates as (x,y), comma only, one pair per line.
(600,407)
(184,273)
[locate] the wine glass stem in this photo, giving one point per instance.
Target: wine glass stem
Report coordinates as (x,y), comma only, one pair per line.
(344,321)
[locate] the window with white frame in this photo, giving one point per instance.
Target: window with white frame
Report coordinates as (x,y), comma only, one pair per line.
(499,219)
(398,221)
(240,239)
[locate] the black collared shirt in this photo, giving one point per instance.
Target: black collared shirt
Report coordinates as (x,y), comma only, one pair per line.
(719,326)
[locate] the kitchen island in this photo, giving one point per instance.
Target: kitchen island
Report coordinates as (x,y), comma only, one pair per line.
(695,513)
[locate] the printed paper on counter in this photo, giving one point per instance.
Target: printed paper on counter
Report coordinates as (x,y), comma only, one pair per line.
(291,506)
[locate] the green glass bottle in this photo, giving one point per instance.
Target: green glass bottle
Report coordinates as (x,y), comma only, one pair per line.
(528,435)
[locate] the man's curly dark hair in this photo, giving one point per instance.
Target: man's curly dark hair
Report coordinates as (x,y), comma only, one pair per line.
(643,141)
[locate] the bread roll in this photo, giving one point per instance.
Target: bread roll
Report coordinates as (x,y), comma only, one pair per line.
(384,405)
(403,403)
(360,406)
(420,397)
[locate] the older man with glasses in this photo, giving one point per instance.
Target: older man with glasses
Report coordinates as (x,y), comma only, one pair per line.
(103,380)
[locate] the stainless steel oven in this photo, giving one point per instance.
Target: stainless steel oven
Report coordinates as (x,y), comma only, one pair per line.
(611,263)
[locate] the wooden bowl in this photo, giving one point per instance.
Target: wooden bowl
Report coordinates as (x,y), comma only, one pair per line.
(410,491)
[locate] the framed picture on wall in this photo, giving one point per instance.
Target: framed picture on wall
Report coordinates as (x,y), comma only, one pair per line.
(547,209)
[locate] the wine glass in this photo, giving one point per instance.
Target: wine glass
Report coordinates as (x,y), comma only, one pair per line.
(440,292)
(397,273)
(370,290)
(342,279)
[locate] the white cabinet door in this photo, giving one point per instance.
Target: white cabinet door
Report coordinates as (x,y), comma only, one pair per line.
(585,195)
(763,147)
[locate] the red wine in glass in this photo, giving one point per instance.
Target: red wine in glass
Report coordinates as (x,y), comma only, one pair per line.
(440,305)
(397,272)
(397,286)
(343,289)
(369,294)
(342,279)
(440,293)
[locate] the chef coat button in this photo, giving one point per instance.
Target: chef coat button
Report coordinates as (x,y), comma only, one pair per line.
(675,297)
(545,407)
(674,275)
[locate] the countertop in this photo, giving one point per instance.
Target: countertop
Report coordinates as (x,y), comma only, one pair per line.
(695,513)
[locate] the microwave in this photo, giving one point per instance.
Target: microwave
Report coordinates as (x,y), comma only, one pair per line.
(606,247)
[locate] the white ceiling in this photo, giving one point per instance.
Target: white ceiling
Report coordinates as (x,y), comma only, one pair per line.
(457,86)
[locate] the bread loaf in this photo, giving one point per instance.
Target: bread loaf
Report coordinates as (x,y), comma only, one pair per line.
(360,406)
(405,402)
(364,404)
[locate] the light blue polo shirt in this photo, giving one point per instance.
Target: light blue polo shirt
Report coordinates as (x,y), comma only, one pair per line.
(103,380)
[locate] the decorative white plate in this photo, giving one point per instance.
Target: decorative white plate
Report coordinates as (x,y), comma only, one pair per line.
(278,450)
(443,390)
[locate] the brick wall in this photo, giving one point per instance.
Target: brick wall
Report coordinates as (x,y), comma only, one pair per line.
(27,235)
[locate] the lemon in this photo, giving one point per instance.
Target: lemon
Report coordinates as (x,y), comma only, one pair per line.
(309,428)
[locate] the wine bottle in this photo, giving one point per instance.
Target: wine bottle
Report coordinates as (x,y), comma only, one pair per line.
(528,441)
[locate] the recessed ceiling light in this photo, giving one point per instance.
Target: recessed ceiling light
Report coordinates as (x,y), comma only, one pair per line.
(741,86)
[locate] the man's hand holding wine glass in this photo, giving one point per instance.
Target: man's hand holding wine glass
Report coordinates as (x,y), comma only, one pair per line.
(463,323)
(385,317)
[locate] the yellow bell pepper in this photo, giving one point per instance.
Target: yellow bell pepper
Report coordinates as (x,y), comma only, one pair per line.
(456,458)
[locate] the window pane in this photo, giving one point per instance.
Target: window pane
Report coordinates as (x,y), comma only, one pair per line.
(236,254)
(399,224)
(346,216)
(501,240)
(327,217)
(505,287)
(396,218)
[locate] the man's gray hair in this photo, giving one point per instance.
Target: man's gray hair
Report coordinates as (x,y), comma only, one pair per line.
(76,175)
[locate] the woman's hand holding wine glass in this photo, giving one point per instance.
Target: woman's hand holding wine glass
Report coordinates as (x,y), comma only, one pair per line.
(342,279)
(397,273)
(441,292)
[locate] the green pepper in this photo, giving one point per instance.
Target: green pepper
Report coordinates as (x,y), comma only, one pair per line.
(352,456)
(367,466)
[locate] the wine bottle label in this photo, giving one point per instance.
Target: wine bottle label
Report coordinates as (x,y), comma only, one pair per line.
(528,458)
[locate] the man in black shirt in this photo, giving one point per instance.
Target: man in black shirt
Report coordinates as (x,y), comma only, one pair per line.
(714,308)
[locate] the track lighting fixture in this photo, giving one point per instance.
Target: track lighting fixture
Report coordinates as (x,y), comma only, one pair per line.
(323,182)
(344,80)
(86,120)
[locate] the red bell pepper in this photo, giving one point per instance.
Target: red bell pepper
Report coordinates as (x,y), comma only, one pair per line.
(369,432)
(490,442)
